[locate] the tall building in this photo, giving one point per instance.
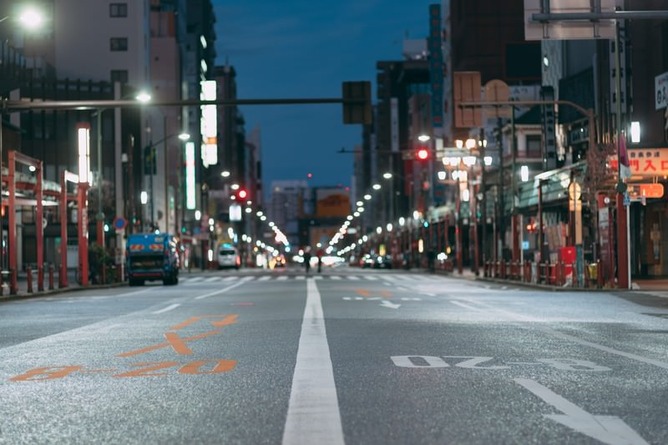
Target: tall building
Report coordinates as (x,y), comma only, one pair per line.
(94,50)
(288,203)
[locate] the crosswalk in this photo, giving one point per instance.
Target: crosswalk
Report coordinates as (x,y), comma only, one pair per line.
(397,279)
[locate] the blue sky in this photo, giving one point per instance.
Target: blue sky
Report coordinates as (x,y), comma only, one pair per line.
(306,49)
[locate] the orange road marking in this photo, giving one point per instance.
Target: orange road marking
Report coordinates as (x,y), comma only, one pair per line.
(193,320)
(188,322)
(147,369)
(179,345)
(386,294)
(167,344)
(195,367)
(46,373)
(230,319)
(363,292)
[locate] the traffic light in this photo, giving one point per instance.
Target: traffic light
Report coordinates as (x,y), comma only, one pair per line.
(241,195)
(357,102)
(422,154)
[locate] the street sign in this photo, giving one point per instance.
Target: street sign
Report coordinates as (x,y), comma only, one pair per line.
(627,200)
(120,223)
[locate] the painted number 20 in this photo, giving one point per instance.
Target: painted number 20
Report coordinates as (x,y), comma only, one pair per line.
(145,369)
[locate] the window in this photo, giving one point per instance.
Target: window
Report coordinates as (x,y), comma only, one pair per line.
(119,44)
(534,146)
(118,10)
(119,76)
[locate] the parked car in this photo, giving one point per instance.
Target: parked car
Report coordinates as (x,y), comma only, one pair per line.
(228,257)
(382,262)
(367,261)
(151,257)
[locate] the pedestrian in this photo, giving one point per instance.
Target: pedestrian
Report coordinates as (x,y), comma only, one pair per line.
(307,258)
(320,253)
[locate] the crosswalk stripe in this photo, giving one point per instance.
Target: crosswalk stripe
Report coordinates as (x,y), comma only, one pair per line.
(389,279)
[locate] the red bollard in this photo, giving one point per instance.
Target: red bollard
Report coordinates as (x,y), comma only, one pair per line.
(51,276)
(29,278)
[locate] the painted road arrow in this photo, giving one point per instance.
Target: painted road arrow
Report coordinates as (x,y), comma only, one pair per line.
(389,305)
(607,429)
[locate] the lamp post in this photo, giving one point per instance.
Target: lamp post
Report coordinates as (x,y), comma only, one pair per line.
(150,149)
(99,217)
(30,19)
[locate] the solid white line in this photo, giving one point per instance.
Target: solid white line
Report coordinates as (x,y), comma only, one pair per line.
(225,289)
(313,412)
(167,309)
(563,405)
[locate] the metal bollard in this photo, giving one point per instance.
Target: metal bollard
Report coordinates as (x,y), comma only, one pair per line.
(29,278)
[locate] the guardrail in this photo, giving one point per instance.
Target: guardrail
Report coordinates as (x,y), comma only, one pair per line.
(552,274)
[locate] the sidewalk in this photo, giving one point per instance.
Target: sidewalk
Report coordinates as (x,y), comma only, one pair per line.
(656,286)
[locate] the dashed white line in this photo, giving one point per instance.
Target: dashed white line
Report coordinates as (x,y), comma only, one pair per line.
(167,309)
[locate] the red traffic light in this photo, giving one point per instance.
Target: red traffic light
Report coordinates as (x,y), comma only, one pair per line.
(242,194)
(422,154)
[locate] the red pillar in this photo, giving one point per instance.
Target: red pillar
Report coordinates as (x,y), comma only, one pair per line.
(622,244)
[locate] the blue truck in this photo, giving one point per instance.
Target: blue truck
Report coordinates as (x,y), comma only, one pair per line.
(152,257)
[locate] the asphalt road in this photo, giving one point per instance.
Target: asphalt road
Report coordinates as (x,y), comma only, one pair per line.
(347,356)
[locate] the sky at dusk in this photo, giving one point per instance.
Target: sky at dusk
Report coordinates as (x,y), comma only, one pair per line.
(306,49)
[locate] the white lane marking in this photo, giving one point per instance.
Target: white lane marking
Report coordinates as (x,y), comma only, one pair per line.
(464,305)
(313,412)
(229,278)
(194,279)
(607,429)
(168,308)
(282,278)
(212,279)
(225,289)
(300,277)
(264,278)
(335,277)
(389,305)
(370,278)
(354,278)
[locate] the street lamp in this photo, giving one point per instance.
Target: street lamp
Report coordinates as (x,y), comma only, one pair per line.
(151,150)
(31,19)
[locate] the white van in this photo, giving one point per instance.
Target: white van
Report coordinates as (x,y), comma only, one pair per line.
(228,257)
